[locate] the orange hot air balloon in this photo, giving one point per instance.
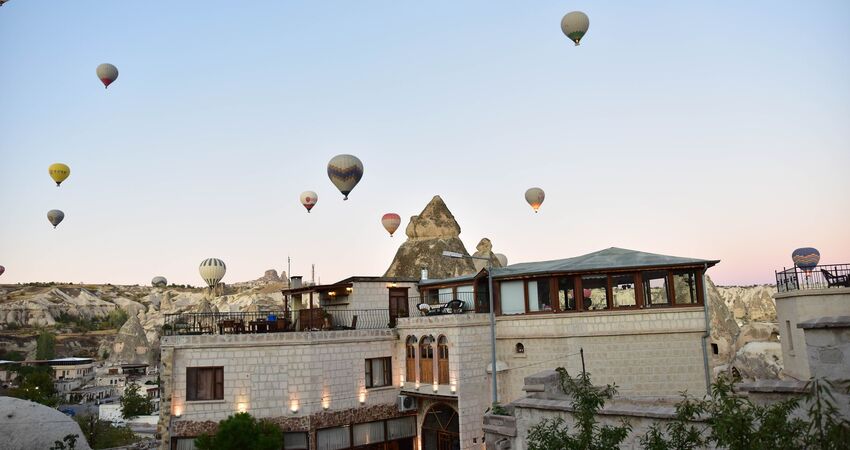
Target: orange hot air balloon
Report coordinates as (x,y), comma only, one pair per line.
(534,197)
(391,221)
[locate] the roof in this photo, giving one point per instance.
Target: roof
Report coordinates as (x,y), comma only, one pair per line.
(452,280)
(609,259)
(348,282)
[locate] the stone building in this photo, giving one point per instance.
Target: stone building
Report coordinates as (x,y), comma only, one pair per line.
(398,363)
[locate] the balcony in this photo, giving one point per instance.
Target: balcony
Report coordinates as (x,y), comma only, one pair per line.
(448,303)
(316,319)
(819,277)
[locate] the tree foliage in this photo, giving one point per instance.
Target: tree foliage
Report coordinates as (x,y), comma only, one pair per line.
(134,404)
(45,346)
(241,431)
(35,383)
(102,434)
(588,435)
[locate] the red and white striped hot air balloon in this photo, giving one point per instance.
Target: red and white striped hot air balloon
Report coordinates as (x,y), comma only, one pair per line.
(534,197)
(107,73)
(391,221)
(309,199)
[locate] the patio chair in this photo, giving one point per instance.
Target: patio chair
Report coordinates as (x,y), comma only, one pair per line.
(454,307)
(836,280)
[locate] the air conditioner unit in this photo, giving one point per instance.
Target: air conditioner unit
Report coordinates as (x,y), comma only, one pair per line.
(406,403)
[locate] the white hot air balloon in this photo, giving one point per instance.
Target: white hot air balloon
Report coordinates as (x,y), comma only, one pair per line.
(159,282)
(345,171)
(309,199)
(575,25)
(212,271)
(534,197)
(107,73)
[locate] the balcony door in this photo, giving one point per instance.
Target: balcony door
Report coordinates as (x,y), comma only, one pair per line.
(398,304)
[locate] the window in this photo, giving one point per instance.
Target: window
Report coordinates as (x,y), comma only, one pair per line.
(432,297)
(595,291)
(655,288)
(538,296)
(183,443)
(379,372)
(466,294)
(512,297)
(714,349)
(446,295)
(685,288)
(368,433)
(295,441)
(426,360)
(443,360)
(520,348)
(623,290)
(410,358)
(566,294)
(333,438)
(204,383)
(401,428)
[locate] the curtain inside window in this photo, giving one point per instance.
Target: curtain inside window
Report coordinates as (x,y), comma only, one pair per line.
(512,297)
(295,441)
(466,294)
(368,433)
(401,428)
(186,444)
(446,295)
(332,438)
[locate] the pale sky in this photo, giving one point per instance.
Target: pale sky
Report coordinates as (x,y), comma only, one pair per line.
(718,130)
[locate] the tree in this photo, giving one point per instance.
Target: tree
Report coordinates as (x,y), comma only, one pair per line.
(102,434)
(134,404)
(45,346)
(116,318)
(587,401)
(35,383)
(242,431)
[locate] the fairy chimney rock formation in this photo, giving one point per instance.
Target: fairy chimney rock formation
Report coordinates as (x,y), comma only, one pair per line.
(429,234)
(131,344)
(484,249)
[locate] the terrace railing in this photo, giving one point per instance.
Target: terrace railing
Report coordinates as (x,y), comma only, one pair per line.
(819,277)
(317,319)
(440,303)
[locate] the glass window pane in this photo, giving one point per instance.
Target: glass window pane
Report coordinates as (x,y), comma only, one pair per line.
(595,291)
(295,441)
(685,288)
(368,433)
(401,428)
(332,438)
(655,288)
(566,294)
(446,295)
(186,444)
(466,294)
(538,296)
(512,297)
(623,290)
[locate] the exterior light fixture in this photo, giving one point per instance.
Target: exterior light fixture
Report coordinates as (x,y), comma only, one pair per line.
(417,386)
(436,387)
(242,407)
(453,389)
(349,289)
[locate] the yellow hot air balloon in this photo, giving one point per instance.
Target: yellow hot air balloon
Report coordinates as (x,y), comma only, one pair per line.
(575,25)
(534,197)
(59,172)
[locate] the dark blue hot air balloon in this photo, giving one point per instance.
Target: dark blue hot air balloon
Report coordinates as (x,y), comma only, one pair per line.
(806,258)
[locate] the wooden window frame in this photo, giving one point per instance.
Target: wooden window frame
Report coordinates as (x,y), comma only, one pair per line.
(698,300)
(192,374)
(443,362)
(410,360)
(388,373)
(636,287)
(429,351)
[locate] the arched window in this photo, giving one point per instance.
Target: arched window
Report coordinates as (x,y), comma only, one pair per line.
(410,359)
(426,360)
(520,348)
(443,360)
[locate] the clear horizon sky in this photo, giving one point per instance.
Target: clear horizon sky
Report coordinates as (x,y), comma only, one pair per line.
(716,130)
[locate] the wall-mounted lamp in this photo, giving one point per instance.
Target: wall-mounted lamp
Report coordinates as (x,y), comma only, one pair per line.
(453,388)
(293,406)
(362,398)
(417,385)
(436,387)
(349,289)
(332,294)
(325,406)
(242,407)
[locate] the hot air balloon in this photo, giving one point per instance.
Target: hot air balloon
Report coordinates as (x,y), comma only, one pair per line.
(55,217)
(2,269)
(806,258)
(534,197)
(107,73)
(309,199)
(503,260)
(345,171)
(391,221)
(159,282)
(59,172)
(212,271)
(575,25)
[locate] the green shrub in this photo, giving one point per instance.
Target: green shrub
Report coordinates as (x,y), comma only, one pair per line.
(242,431)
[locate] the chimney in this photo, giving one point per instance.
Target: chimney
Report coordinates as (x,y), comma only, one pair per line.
(295,282)
(424,273)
